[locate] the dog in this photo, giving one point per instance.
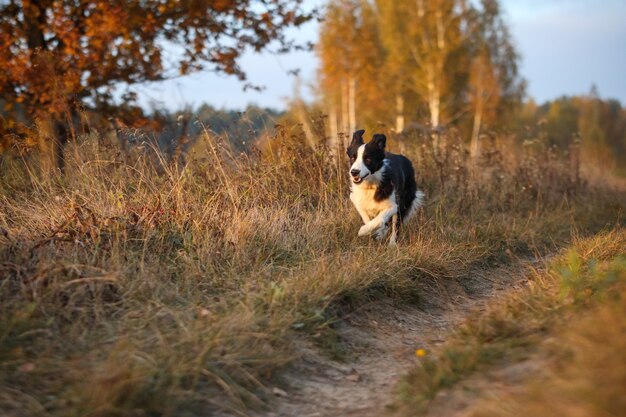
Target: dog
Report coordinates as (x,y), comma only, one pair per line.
(383,187)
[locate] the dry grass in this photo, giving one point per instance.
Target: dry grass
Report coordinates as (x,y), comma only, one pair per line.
(135,287)
(571,317)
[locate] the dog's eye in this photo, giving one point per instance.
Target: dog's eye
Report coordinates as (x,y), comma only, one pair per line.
(368,160)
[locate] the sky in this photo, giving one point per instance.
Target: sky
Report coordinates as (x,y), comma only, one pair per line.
(566,46)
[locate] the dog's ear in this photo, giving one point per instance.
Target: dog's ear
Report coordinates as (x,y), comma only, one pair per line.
(357,138)
(380,141)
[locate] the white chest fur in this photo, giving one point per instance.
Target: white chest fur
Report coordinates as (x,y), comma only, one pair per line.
(362,196)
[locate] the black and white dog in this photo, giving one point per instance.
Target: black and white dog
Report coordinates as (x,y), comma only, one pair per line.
(383,186)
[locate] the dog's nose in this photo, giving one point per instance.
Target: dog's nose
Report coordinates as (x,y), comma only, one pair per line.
(355,172)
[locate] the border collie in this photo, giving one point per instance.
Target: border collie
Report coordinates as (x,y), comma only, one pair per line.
(383,186)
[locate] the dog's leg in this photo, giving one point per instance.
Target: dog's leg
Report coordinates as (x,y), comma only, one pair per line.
(394,230)
(366,219)
(378,221)
(381,232)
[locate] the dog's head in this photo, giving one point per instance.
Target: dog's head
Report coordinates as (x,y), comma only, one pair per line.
(365,159)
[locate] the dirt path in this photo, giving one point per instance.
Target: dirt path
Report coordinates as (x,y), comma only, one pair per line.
(381,338)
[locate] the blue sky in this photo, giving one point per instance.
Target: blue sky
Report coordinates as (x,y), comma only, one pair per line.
(566,47)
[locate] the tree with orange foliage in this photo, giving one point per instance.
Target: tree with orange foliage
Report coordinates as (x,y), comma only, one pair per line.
(350,54)
(428,64)
(58,54)
(494,87)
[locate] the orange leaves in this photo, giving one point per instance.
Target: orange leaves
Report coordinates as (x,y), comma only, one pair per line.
(55,52)
(150,23)
(184,68)
(106,23)
(223,5)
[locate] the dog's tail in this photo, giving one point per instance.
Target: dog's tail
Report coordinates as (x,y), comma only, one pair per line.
(415,205)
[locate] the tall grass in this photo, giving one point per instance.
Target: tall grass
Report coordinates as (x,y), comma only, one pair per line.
(136,286)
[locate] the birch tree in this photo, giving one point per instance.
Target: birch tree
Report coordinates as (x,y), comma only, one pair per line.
(434,35)
(452,60)
(494,86)
(351,62)
(335,50)
(396,64)
(484,96)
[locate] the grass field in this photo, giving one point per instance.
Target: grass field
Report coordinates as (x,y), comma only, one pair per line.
(132,286)
(566,332)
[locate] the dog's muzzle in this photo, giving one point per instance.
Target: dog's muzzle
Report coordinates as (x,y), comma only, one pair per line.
(356,177)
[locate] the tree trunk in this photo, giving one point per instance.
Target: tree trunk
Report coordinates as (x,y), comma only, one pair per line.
(480,82)
(441,38)
(61,132)
(399,113)
(352,103)
(474,143)
(434,105)
(35,21)
(344,106)
(434,96)
(332,120)
(420,8)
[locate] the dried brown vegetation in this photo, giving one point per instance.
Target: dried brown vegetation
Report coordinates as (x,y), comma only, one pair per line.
(133,286)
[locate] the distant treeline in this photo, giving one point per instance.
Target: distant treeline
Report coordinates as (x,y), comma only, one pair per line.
(133,124)
(598,126)
(240,127)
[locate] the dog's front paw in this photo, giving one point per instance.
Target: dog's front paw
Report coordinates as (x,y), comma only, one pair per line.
(365,230)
